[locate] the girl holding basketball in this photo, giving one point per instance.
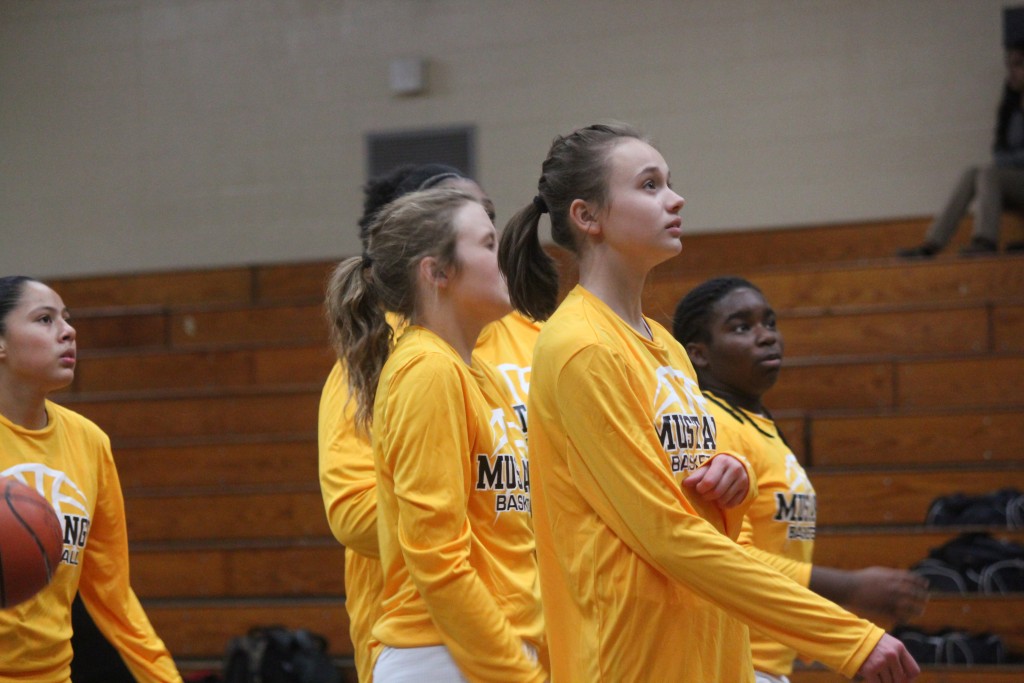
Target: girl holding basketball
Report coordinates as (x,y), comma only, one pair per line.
(347,480)
(637,497)
(68,459)
(460,596)
(729,331)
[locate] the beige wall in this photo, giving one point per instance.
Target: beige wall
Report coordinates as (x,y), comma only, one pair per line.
(155,134)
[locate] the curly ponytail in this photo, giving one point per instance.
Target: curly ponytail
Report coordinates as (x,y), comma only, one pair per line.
(359,331)
(362,288)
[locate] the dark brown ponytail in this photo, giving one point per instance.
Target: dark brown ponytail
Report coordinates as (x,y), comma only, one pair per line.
(576,168)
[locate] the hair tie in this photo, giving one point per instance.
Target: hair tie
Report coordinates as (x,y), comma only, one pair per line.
(367,261)
(540,204)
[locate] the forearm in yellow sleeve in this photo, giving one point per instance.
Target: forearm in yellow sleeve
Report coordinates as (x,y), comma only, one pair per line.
(618,464)
(107,594)
(794,569)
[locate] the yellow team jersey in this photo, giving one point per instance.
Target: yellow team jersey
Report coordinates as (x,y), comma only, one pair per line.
(640,581)
(456,542)
(507,344)
(349,486)
(70,463)
(779,526)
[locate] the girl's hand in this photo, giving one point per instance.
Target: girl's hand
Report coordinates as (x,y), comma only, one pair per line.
(893,593)
(722,481)
(889,662)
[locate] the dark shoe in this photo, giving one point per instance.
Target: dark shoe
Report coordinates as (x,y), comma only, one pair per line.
(979,246)
(923,250)
(1014,247)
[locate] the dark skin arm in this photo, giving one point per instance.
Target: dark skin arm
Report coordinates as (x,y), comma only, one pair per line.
(875,591)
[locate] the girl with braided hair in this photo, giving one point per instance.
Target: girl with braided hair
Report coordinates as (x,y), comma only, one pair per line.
(382,190)
(637,496)
(730,333)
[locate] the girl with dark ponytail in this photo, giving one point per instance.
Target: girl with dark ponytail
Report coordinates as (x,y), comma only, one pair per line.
(572,171)
(459,598)
(68,460)
(638,495)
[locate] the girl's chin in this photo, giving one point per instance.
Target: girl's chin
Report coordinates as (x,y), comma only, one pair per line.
(63,380)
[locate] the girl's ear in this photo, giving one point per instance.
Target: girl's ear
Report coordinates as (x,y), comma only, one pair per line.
(698,352)
(431,273)
(584,217)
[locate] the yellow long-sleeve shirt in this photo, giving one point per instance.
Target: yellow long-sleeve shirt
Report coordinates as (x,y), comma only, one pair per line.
(779,526)
(636,582)
(507,344)
(349,486)
(456,542)
(70,463)
(349,489)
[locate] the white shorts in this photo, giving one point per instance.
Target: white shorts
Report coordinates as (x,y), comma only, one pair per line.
(762,677)
(416,664)
(409,664)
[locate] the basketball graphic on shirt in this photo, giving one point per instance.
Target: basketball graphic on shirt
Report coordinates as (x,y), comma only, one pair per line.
(796,477)
(517,379)
(67,499)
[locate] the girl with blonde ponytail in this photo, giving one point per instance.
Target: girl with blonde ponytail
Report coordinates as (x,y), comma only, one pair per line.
(459,596)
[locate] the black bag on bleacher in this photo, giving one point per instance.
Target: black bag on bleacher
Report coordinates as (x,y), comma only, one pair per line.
(275,654)
(974,562)
(1004,576)
(970,649)
(1004,508)
(942,578)
(951,647)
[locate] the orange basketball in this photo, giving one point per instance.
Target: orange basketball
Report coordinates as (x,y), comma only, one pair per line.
(31,542)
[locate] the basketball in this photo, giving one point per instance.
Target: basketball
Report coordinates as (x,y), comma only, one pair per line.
(31,541)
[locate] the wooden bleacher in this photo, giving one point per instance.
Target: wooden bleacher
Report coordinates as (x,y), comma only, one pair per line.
(903,381)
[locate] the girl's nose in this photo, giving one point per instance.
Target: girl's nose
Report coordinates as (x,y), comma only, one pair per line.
(767,335)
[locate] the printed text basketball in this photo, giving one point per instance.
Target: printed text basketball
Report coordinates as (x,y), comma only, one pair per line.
(31,541)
